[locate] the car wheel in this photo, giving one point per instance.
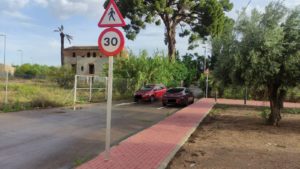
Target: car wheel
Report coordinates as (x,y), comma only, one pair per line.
(164,104)
(136,100)
(186,102)
(152,99)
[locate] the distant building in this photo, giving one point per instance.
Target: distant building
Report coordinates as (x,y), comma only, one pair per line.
(11,70)
(87,60)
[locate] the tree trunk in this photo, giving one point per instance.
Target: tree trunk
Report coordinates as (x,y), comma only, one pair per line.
(276,104)
(62,44)
(171,38)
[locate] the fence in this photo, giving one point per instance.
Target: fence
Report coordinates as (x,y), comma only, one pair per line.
(240,92)
(26,92)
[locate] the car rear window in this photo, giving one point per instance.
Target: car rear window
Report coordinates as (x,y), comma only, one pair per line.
(147,88)
(175,90)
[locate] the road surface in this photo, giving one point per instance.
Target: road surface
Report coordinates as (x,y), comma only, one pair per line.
(61,138)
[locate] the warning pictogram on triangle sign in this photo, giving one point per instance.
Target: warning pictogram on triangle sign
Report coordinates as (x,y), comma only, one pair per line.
(112,16)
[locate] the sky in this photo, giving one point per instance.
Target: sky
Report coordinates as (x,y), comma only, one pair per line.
(29,26)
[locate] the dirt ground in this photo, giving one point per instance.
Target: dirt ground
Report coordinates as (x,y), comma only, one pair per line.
(237,137)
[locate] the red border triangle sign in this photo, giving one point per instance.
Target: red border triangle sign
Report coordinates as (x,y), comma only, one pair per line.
(112,16)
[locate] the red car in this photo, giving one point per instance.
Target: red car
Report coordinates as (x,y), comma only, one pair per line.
(150,93)
(178,96)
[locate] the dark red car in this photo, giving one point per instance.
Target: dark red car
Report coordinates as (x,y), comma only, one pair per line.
(150,93)
(178,96)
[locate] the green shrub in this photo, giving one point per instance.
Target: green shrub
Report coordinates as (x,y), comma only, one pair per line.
(233,93)
(64,76)
(291,111)
(143,69)
(29,71)
(265,114)
(293,94)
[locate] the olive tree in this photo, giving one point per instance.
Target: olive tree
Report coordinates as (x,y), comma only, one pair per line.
(268,52)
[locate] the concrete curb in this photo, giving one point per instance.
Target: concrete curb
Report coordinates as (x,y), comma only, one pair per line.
(168,159)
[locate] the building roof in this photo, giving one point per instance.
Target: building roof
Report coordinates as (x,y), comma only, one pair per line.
(82,48)
(124,52)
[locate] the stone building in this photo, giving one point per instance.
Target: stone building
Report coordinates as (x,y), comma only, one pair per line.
(87,60)
(10,69)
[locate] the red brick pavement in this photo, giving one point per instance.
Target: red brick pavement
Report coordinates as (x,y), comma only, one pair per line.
(152,147)
(149,148)
(254,103)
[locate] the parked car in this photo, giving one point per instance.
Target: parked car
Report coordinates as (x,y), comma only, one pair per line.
(178,96)
(150,93)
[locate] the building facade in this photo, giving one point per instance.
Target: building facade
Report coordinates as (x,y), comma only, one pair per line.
(7,68)
(87,60)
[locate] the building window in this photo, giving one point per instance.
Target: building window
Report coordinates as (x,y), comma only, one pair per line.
(82,68)
(83,56)
(94,54)
(74,54)
(74,67)
(88,54)
(91,68)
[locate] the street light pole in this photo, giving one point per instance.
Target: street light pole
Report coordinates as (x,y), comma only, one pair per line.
(206,87)
(4,68)
(204,66)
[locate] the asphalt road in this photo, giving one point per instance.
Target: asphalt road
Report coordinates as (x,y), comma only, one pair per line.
(61,138)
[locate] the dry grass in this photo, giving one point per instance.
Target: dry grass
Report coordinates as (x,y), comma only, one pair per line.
(28,94)
(37,94)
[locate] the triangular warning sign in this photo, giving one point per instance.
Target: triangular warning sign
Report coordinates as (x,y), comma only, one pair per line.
(112,16)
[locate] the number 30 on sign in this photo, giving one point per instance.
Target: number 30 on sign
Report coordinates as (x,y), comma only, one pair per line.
(111,42)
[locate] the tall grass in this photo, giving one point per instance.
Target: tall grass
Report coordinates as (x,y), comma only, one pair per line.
(30,94)
(45,93)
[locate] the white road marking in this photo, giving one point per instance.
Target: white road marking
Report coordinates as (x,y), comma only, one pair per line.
(124,104)
(161,108)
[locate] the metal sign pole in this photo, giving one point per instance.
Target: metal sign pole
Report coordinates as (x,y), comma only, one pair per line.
(91,85)
(111,42)
(109,104)
(75,93)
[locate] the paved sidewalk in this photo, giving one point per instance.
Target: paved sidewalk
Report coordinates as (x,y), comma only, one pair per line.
(153,147)
(254,103)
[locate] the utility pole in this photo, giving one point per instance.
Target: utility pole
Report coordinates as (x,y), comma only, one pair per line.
(204,66)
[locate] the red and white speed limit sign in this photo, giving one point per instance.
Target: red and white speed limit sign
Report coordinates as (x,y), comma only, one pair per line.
(111,42)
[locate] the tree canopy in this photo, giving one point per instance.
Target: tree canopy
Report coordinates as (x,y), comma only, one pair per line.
(263,51)
(197,19)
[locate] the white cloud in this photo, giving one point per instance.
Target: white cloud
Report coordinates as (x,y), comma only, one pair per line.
(67,8)
(259,8)
(11,9)
(13,5)
(63,9)
(292,3)
(43,3)
(16,15)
